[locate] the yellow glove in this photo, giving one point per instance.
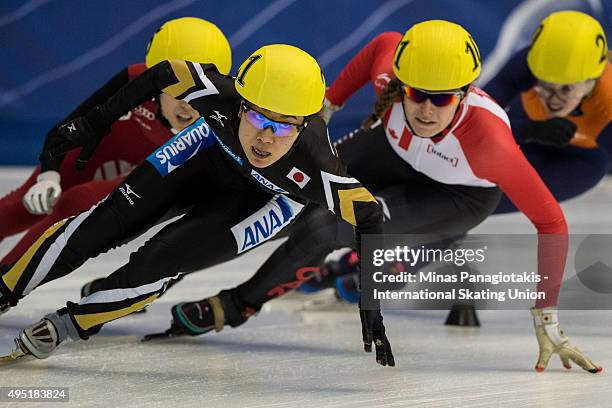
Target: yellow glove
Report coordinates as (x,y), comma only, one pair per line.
(551,339)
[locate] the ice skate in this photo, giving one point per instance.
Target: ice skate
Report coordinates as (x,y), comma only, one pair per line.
(36,341)
(332,269)
(206,315)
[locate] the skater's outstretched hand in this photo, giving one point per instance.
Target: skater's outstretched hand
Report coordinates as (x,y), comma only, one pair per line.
(552,132)
(373,331)
(551,340)
(85,132)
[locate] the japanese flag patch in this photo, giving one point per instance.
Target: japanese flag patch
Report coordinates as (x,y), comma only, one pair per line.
(298,177)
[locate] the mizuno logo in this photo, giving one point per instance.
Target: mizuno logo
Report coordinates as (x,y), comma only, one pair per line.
(71,127)
(128,190)
(126,193)
(218,117)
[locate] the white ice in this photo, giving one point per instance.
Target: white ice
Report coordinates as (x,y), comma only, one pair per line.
(291,357)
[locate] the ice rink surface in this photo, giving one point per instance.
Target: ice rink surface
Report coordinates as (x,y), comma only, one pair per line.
(294,356)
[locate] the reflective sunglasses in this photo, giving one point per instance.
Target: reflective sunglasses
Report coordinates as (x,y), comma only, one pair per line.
(261,121)
(439,99)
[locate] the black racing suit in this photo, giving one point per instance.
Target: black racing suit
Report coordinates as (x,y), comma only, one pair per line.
(229,206)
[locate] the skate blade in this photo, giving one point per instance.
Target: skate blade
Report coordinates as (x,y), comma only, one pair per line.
(17,355)
(163,336)
(14,359)
(156,336)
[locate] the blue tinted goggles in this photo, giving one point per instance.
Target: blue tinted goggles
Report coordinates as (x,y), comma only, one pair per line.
(261,121)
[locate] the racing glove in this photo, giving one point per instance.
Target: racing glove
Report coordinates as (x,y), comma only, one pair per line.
(373,331)
(552,132)
(551,339)
(85,132)
(43,195)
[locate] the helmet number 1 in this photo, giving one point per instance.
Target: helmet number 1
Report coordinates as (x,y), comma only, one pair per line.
(400,49)
(536,35)
(470,46)
(248,66)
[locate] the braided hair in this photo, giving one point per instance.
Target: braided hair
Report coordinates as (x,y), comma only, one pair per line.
(384,100)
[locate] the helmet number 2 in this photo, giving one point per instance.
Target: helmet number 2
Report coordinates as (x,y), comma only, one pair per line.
(248,66)
(470,46)
(604,49)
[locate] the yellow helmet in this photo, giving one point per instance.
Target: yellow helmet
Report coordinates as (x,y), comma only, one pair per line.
(190,39)
(283,79)
(436,55)
(568,47)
